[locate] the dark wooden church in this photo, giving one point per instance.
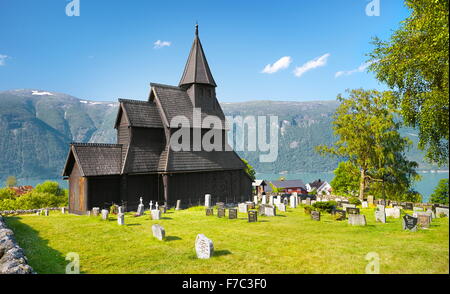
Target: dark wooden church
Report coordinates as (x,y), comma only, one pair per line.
(143,164)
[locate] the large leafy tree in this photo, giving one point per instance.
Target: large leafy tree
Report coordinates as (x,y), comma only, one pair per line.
(346,178)
(414,63)
(249,169)
(440,194)
(367,136)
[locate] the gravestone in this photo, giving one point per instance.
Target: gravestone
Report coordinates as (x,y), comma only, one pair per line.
(204,247)
(255,200)
(209,211)
(279,199)
(431,212)
(105,213)
(382,202)
(243,207)
(393,212)
(441,212)
(120,209)
(352,210)
(220,205)
(339,214)
(315,215)
(364,204)
(178,206)
(380,207)
(408,206)
(380,216)
(220,212)
(207,200)
(409,223)
(345,205)
(96,211)
(424,220)
(250,205)
(270,211)
(63,210)
(46,212)
(252,216)
(285,201)
(140,210)
(370,200)
(270,200)
(262,210)
(293,201)
(232,213)
(163,209)
(156,214)
(158,232)
(38,212)
(281,207)
(88,213)
(121,219)
(357,219)
(415,209)
(308,201)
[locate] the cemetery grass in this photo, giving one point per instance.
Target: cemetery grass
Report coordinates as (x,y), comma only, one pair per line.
(289,243)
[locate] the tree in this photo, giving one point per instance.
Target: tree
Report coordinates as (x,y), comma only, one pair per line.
(346,178)
(11,181)
(249,169)
(275,189)
(50,187)
(414,63)
(368,138)
(440,194)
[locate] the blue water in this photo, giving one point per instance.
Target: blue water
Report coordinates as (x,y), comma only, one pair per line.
(425,186)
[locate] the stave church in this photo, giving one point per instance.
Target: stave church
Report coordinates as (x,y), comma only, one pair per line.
(143,163)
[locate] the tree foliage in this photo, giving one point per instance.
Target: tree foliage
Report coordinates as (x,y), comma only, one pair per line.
(367,136)
(414,63)
(51,188)
(11,181)
(249,169)
(346,179)
(440,194)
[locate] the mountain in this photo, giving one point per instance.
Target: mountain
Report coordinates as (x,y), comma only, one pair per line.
(36,127)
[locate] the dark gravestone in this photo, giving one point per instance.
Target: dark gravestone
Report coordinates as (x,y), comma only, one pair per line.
(220,212)
(163,209)
(232,213)
(315,215)
(408,206)
(252,216)
(409,223)
(209,211)
(285,201)
(339,214)
(382,202)
(352,210)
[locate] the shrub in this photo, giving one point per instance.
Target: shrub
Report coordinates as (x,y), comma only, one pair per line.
(326,206)
(354,200)
(308,209)
(34,200)
(7,193)
(50,188)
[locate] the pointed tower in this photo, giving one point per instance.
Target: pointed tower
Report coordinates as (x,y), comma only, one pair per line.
(197,78)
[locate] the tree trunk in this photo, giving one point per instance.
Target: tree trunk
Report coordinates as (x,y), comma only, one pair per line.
(362,184)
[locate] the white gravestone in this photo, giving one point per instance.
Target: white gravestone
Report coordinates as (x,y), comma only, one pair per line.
(264,199)
(63,210)
(158,232)
(440,211)
(365,204)
(255,200)
(293,201)
(140,210)
(270,200)
(151,205)
(204,247)
(345,205)
(178,206)
(270,211)
(380,216)
(243,207)
(357,219)
(207,200)
(121,219)
(156,214)
(46,212)
(281,207)
(392,212)
(120,209)
(95,211)
(105,213)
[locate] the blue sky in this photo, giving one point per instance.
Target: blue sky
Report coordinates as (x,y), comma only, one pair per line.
(108,52)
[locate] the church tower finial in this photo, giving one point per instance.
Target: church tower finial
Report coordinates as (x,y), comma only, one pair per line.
(196,29)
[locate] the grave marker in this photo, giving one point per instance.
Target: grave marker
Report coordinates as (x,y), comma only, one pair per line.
(270,211)
(209,211)
(357,219)
(243,207)
(178,206)
(158,232)
(409,223)
(352,210)
(220,212)
(156,214)
(380,216)
(252,216)
(121,219)
(105,213)
(281,207)
(95,211)
(204,247)
(207,200)
(232,213)
(315,215)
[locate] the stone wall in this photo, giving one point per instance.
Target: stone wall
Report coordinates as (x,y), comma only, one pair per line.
(26,211)
(12,258)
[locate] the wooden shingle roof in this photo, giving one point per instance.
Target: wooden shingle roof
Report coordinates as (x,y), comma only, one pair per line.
(95,159)
(139,113)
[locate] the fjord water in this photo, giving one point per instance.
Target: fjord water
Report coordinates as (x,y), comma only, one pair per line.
(425,186)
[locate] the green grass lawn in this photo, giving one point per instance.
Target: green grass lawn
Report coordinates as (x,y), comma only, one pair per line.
(289,243)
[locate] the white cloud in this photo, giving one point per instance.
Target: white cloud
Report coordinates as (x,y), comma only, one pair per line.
(280,64)
(360,68)
(2,59)
(160,44)
(316,62)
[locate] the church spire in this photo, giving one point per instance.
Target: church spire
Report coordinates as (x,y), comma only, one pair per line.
(197,70)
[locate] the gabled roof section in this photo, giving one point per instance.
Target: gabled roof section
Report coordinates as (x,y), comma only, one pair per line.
(197,70)
(289,184)
(94,159)
(175,101)
(142,114)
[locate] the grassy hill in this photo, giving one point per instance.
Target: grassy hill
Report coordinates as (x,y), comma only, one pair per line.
(289,243)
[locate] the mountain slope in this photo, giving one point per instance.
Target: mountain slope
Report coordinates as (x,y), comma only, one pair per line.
(36,128)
